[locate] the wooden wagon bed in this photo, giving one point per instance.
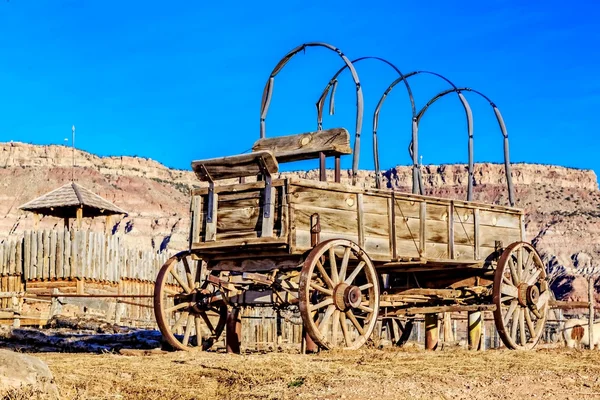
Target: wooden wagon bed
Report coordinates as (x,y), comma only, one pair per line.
(396,229)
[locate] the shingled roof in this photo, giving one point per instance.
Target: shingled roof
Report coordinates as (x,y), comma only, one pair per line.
(64,202)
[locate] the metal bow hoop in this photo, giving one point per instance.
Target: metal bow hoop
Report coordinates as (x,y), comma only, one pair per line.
(413,147)
(268,92)
(333,85)
(507,169)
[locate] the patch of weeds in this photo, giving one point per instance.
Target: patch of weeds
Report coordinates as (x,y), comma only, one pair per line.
(297,382)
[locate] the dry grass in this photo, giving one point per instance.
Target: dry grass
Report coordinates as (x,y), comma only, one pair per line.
(404,374)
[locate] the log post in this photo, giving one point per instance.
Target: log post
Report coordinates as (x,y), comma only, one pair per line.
(475,323)
(591,310)
(448,334)
(307,345)
(432,328)
(233,334)
(55,306)
(79,217)
(16,306)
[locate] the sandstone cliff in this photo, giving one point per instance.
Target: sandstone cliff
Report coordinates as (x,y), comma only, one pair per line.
(562,204)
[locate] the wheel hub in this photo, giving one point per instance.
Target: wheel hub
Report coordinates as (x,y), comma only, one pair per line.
(528,295)
(346,296)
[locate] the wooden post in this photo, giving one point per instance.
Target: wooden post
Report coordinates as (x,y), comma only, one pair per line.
(475,323)
(55,306)
(591,310)
(16,306)
(322,169)
(66,221)
(107,226)
(307,345)
(79,217)
(432,328)
(36,220)
(233,334)
(448,334)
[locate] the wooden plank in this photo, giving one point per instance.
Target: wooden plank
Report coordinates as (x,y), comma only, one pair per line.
(305,146)
(46,263)
(360,220)
(436,250)
(392,227)
(436,231)
(489,235)
(196,218)
(3,251)
(450,217)
(497,218)
(241,165)
(238,187)
(376,247)
(52,255)
(40,255)
(423,227)
(267,222)
(344,222)
(210,231)
(26,254)
(34,251)
(463,252)
(322,198)
(60,248)
(68,271)
(476,233)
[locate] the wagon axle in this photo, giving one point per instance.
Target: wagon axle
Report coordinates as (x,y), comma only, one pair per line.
(346,296)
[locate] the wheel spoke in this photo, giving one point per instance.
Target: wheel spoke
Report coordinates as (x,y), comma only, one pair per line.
(522,326)
(365,308)
(513,271)
(188,330)
(533,278)
(328,301)
(209,324)
(335,323)
(511,310)
(171,291)
(509,291)
(365,286)
(347,338)
(526,267)
(344,266)
(544,297)
(515,324)
(188,272)
(506,280)
(323,324)
(324,275)
(355,273)
(321,289)
(520,266)
(179,321)
(180,281)
(355,322)
(178,307)
(530,325)
(333,265)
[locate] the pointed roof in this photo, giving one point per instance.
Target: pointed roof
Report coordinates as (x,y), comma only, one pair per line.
(64,201)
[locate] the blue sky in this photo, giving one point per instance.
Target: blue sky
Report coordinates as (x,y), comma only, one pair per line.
(182,80)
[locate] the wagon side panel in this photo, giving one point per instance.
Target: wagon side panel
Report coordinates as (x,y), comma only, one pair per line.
(360,217)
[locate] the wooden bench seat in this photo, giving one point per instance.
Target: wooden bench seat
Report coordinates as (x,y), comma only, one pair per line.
(305,146)
(238,166)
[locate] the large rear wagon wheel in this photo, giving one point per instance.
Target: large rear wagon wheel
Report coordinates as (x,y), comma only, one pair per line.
(189,310)
(521,295)
(339,295)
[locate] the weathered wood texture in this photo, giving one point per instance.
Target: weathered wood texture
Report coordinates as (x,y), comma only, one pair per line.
(95,256)
(235,166)
(389,226)
(306,145)
(238,215)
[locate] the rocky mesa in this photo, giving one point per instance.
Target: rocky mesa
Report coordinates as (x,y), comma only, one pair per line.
(562,204)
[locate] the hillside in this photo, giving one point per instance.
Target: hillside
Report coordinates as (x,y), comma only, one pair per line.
(562,204)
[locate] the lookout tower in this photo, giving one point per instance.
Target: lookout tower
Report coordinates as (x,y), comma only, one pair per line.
(72,201)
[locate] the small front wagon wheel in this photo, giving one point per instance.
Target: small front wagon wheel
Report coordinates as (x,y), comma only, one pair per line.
(521,295)
(339,295)
(189,310)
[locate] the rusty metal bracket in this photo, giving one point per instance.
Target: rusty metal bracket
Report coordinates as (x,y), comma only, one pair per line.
(315,229)
(268,185)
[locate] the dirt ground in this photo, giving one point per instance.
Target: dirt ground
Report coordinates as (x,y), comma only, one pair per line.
(366,374)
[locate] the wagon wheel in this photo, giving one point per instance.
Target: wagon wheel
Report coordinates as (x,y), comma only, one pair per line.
(339,295)
(189,310)
(398,332)
(521,295)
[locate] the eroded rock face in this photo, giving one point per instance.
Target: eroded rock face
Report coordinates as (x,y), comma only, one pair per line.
(562,205)
(25,375)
